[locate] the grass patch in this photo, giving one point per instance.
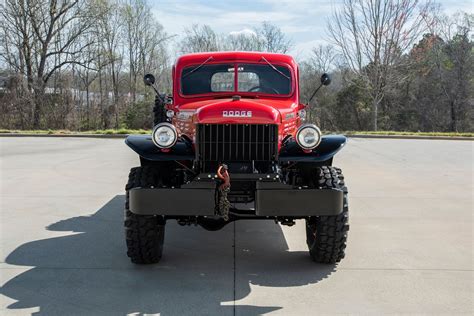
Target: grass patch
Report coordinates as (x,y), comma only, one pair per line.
(122,131)
(125,131)
(397,133)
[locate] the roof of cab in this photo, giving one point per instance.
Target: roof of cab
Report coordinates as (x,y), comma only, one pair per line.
(234,56)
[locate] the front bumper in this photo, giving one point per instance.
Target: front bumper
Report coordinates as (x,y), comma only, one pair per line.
(276,199)
(271,199)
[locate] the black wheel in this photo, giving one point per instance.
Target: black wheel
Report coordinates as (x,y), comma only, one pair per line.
(327,235)
(144,234)
(159,111)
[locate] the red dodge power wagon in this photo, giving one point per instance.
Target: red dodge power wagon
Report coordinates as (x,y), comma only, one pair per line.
(230,144)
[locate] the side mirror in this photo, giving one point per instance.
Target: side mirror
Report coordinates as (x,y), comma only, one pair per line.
(325,79)
(149,79)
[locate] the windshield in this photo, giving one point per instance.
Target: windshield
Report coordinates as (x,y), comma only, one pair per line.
(251,78)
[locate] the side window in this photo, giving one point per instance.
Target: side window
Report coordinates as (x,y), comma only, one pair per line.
(222,81)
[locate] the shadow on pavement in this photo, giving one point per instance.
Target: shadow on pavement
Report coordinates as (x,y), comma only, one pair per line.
(87,272)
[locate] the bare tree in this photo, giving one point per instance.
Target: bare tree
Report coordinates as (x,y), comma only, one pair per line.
(199,38)
(267,37)
(323,58)
(452,62)
(243,41)
(44,37)
(274,40)
(145,40)
(108,33)
(372,35)
(133,14)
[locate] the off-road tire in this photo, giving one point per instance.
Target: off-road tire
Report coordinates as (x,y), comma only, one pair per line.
(159,111)
(144,234)
(327,235)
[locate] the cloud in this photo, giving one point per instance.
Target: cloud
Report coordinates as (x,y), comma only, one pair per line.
(245,32)
(452,6)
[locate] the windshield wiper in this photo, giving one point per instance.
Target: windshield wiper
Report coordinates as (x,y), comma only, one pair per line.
(226,96)
(197,67)
(275,68)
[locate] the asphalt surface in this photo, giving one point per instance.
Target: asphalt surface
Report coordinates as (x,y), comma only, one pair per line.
(62,248)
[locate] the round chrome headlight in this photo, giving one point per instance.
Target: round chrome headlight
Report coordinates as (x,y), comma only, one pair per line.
(308,136)
(164,135)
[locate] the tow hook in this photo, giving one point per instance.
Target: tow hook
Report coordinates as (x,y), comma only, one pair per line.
(223,204)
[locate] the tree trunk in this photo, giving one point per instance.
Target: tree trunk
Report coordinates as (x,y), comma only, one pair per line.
(116,94)
(88,103)
(357,116)
(38,100)
(453,116)
(376,106)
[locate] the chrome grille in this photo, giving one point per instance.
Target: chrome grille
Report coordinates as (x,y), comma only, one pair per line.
(237,142)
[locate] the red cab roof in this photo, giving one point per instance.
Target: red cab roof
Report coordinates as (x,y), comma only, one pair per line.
(234,56)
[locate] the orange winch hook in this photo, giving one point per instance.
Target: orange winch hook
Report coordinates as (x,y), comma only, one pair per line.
(224,176)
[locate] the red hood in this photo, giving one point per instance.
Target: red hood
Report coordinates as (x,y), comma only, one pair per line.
(252,111)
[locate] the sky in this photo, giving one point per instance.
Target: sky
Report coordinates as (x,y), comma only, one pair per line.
(303,21)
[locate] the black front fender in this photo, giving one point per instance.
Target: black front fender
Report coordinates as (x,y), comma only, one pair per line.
(329,146)
(144,146)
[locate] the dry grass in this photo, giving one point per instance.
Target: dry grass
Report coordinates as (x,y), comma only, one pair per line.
(396,133)
(124,131)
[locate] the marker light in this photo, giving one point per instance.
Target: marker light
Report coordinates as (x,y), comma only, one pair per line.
(302,114)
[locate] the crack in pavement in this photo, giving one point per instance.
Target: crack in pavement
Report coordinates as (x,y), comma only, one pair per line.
(234,266)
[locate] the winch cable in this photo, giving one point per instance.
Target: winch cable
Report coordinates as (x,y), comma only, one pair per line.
(223,205)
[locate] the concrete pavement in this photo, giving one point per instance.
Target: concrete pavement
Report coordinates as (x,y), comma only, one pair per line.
(62,251)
